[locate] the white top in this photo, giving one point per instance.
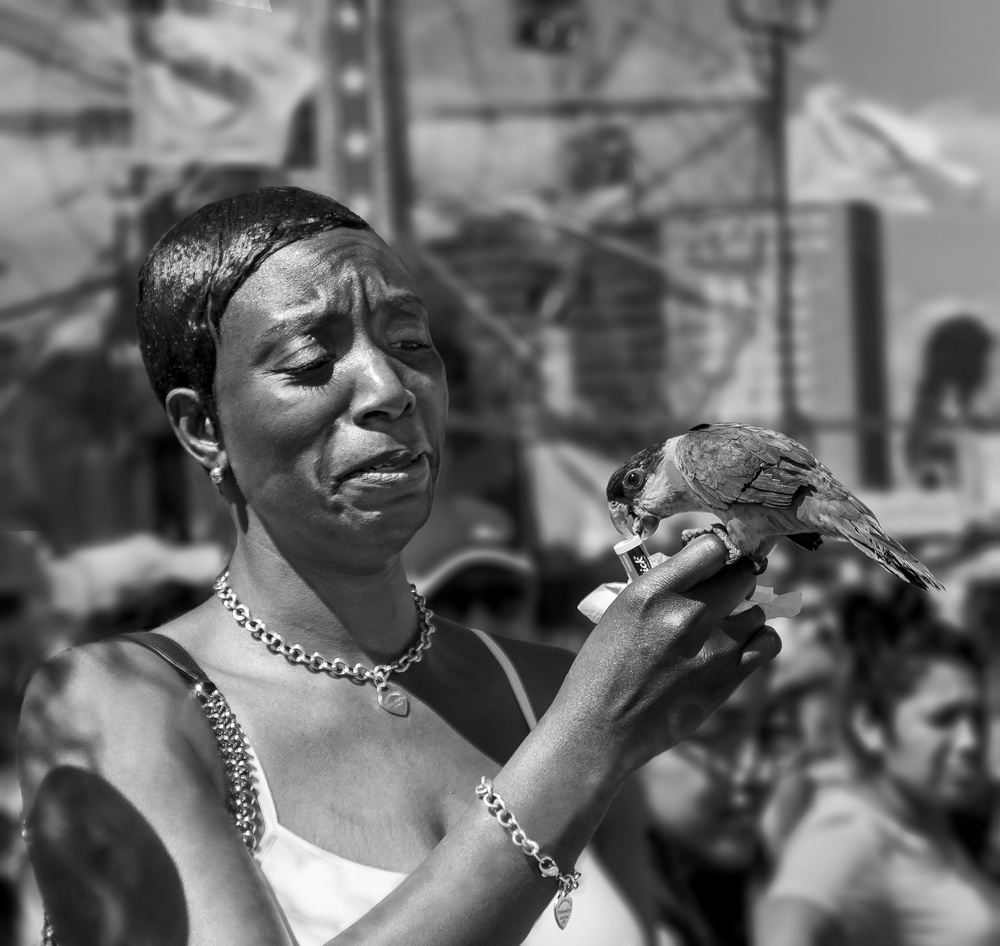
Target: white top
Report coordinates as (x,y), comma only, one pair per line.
(885,884)
(322,894)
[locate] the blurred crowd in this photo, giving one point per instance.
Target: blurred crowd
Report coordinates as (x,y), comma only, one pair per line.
(844,794)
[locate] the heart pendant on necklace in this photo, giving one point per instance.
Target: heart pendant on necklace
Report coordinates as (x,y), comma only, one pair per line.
(394,701)
(563,909)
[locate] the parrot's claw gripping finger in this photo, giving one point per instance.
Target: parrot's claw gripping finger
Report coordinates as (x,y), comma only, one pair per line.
(718,530)
(759,566)
(689,535)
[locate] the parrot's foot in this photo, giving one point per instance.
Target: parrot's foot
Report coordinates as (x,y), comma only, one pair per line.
(759,565)
(719,530)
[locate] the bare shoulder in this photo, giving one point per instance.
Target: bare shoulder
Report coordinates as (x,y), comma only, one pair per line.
(106,707)
(126,819)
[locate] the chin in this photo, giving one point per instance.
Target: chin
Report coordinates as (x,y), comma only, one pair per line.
(731,850)
(963,796)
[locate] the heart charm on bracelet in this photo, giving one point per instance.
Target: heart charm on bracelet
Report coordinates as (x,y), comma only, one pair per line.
(394,701)
(563,909)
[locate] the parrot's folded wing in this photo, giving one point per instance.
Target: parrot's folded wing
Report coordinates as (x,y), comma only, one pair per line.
(734,463)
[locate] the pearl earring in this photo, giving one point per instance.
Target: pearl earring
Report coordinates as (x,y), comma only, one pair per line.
(217,474)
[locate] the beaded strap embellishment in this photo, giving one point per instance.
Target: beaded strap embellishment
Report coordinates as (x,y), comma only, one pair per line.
(244,806)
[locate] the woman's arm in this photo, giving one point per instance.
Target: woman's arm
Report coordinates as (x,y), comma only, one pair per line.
(124,796)
(125,793)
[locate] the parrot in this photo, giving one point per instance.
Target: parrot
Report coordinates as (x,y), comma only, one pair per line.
(763,485)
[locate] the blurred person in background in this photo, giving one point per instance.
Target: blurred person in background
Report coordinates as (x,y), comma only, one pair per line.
(875,859)
(704,799)
(466,560)
(954,374)
(803,716)
(23,626)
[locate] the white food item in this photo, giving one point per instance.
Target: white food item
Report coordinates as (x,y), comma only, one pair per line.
(773,606)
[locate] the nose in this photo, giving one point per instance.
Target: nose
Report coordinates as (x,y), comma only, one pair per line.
(379,388)
(968,738)
(750,773)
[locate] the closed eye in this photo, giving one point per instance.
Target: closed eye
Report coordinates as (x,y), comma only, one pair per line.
(317,371)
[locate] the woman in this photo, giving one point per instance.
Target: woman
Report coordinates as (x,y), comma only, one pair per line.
(874,860)
(295,363)
(705,798)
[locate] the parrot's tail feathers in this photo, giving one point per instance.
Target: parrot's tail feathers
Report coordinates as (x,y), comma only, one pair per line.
(909,568)
(890,555)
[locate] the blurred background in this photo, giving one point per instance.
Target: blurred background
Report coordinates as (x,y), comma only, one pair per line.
(626,218)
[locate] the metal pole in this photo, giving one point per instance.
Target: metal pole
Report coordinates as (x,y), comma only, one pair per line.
(784,233)
(391,158)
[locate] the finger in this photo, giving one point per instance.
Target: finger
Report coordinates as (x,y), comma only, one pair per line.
(726,589)
(764,646)
(696,562)
(742,627)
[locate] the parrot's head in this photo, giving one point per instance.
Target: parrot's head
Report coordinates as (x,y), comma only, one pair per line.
(644,489)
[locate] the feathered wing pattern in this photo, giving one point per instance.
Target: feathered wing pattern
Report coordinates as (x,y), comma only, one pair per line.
(734,463)
(727,464)
(844,516)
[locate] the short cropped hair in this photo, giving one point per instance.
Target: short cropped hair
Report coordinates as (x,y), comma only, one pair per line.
(194,269)
(892,644)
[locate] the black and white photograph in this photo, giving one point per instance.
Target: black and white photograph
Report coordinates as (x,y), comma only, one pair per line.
(499,473)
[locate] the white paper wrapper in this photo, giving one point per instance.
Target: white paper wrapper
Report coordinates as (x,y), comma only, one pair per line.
(773,606)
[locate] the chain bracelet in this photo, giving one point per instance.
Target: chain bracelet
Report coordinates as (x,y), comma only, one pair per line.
(546,865)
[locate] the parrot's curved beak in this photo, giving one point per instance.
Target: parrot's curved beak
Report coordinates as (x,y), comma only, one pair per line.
(622,517)
(628,523)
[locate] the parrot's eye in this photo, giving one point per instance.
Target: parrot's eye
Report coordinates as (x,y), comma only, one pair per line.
(634,479)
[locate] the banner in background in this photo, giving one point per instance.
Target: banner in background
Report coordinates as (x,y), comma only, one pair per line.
(844,146)
(217,91)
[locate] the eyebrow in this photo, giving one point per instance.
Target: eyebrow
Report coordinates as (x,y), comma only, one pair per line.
(293,326)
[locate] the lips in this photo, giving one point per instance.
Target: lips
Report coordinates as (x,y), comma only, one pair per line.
(391,461)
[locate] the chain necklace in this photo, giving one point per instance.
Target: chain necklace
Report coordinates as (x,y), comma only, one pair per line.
(390,699)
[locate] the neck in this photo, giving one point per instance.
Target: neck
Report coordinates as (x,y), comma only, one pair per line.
(882,793)
(364,615)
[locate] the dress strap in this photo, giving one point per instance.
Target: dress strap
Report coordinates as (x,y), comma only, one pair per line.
(244,804)
(171,652)
(516,683)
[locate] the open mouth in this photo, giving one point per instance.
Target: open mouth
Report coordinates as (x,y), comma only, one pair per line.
(393,464)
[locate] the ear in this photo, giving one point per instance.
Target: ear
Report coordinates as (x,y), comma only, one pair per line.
(194,427)
(868,731)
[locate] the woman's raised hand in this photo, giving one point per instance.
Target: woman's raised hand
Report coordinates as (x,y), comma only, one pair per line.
(666,653)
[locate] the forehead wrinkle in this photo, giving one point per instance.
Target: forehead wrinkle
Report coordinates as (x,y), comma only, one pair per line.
(301,288)
(363,279)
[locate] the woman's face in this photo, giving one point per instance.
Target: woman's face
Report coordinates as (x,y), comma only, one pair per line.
(705,795)
(332,399)
(935,749)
